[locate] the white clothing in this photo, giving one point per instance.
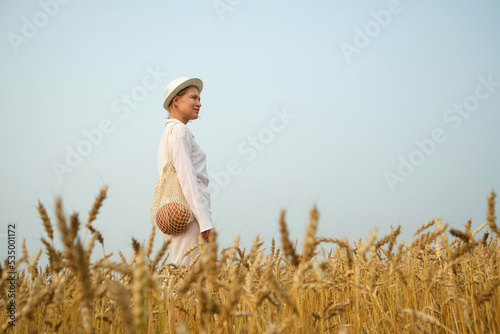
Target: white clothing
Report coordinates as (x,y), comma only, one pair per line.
(189,160)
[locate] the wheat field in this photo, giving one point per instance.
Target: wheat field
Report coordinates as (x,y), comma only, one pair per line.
(443,281)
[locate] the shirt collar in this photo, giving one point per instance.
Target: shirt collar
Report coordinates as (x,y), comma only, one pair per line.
(172,120)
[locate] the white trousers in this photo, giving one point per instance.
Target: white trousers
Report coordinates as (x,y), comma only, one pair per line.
(181,243)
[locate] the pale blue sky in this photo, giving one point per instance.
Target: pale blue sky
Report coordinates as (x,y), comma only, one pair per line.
(351,120)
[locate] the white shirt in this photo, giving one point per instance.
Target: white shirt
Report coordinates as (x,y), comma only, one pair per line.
(189,161)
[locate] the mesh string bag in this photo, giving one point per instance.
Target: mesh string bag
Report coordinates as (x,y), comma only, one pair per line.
(170,211)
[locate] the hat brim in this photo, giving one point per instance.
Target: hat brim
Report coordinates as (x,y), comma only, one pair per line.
(190,82)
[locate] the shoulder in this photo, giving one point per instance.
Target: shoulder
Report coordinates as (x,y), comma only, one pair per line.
(179,131)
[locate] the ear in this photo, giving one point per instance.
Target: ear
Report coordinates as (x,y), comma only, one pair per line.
(175,100)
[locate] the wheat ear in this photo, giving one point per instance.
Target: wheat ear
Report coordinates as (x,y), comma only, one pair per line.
(285,241)
(310,241)
(95,208)
(491,218)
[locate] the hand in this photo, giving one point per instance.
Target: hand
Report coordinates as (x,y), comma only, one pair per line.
(205,235)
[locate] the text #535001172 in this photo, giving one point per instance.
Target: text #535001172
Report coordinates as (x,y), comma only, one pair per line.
(12,274)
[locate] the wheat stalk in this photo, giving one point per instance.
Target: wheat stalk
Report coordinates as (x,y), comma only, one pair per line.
(46,222)
(425,318)
(490,216)
(140,275)
(477,230)
(424,227)
(159,255)
(310,241)
(151,242)
(368,243)
(94,211)
(285,241)
(97,204)
(121,296)
(487,293)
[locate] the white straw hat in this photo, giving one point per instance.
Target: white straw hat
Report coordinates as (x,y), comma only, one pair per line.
(175,86)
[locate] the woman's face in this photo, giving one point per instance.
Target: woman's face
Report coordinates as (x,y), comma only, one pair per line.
(187,106)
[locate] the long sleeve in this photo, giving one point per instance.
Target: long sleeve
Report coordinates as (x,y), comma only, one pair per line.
(189,161)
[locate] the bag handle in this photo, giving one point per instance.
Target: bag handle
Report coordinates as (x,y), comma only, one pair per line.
(169,162)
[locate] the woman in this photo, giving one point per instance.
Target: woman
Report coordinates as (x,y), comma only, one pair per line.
(182,101)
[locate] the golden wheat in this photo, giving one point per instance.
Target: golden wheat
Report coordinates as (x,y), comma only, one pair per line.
(427,286)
